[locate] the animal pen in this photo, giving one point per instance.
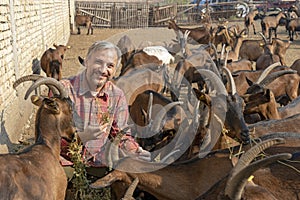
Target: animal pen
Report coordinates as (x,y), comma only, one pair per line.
(143,15)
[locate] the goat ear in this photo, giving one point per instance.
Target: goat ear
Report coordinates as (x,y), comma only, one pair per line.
(268,94)
(249,81)
(55,45)
(36,100)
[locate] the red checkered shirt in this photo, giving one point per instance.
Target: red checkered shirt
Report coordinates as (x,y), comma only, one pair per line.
(108,105)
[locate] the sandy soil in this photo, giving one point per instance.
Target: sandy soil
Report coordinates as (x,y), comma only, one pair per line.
(80,43)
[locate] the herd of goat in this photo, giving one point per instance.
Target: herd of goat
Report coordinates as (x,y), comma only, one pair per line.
(245,93)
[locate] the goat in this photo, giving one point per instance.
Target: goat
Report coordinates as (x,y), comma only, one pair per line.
(35,172)
(191,178)
(171,122)
(296,66)
(84,20)
(241,64)
(261,100)
(295,8)
(233,55)
(140,80)
(267,58)
(292,27)
(127,48)
(285,85)
(200,34)
(152,57)
(221,35)
(249,20)
(269,23)
(253,49)
(262,179)
(51,61)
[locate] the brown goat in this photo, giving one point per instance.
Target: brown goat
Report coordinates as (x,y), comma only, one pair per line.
(249,20)
(51,61)
(199,34)
(84,20)
(172,120)
(190,179)
(35,172)
(269,23)
(286,85)
(296,66)
(127,48)
(293,26)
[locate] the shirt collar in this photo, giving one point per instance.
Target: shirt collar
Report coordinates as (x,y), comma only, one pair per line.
(84,87)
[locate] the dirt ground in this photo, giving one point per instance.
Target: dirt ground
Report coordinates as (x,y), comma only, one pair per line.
(79,43)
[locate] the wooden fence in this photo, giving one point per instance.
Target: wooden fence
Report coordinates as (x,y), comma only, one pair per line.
(143,15)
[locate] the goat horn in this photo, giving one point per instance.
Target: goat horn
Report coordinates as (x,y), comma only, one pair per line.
(273,76)
(222,52)
(263,37)
(218,84)
(112,152)
(33,77)
(231,81)
(48,81)
(129,193)
(150,104)
(267,71)
(161,114)
(239,181)
(280,134)
(245,160)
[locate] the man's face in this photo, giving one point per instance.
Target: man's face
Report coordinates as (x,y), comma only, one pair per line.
(101,66)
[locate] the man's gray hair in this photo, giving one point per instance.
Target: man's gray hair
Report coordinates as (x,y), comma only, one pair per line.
(102,45)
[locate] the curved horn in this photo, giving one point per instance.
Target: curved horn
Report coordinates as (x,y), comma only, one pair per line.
(48,81)
(271,77)
(245,160)
(129,193)
(222,52)
(230,79)
(150,104)
(240,180)
(267,71)
(161,114)
(218,84)
(263,37)
(31,77)
(112,152)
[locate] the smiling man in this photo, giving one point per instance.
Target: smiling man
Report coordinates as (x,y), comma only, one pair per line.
(101,106)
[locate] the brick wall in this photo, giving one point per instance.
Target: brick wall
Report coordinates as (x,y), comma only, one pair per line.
(27,29)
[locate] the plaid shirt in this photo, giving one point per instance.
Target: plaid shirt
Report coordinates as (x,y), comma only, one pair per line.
(109,105)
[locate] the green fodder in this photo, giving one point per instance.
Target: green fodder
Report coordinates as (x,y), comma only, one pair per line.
(80,182)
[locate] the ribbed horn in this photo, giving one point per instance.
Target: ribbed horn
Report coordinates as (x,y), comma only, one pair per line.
(218,84)
(239,181)
(48,81)
(34,77)
(245,160)
(230,80)
(129,193)
(31,77)
(271,77)
(267,71)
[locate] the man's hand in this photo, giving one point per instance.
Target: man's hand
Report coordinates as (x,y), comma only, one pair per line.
(92,132)
(144,155)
